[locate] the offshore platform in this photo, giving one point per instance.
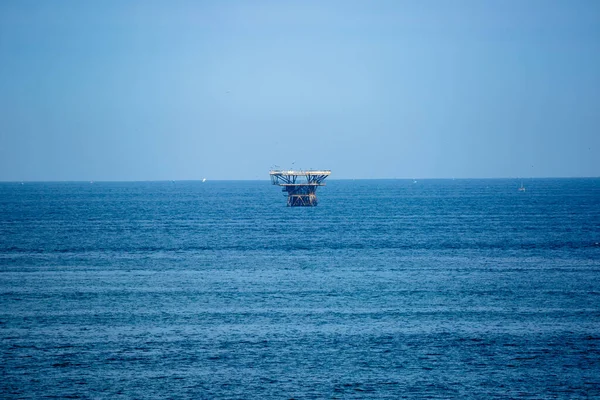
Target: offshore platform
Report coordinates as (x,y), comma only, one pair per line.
(299,185)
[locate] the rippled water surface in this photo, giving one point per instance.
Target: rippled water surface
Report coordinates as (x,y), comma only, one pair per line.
(387,289)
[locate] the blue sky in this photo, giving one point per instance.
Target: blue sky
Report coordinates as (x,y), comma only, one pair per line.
(124,90)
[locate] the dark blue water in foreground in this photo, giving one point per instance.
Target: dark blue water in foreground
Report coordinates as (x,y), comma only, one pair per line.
(387,289)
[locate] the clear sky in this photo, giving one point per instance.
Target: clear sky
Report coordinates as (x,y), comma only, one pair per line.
(143,90)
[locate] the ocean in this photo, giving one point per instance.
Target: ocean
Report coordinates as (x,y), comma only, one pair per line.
(387,289)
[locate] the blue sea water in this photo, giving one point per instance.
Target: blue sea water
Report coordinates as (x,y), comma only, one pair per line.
(387,289)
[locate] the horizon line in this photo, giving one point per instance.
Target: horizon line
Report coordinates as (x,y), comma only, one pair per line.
(204,180)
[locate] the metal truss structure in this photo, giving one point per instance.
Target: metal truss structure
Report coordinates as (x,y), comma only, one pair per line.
(300,192)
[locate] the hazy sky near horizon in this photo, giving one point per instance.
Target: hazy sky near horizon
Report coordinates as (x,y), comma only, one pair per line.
(154,90)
